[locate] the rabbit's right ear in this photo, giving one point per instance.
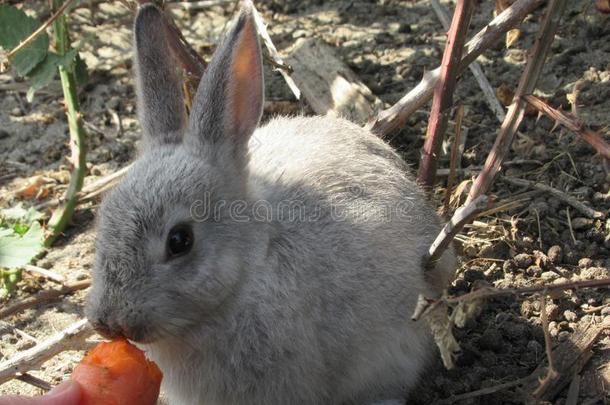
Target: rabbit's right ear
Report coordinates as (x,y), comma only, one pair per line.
(160,101)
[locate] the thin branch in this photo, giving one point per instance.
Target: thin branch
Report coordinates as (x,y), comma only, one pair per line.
(43,296)
(273,53)
(461,217)
(32,358)
(487,292)
(581,207)
(551,373)
(573,124)
(475,68)
(455,155)
(94,189)
(516,111)
(39,30)
(58,278)
(35,381)
(394,118)
(443,92)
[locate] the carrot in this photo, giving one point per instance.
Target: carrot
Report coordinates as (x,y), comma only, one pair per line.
(117,373)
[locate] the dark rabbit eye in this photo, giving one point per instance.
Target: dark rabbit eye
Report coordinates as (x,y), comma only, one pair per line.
(180,240)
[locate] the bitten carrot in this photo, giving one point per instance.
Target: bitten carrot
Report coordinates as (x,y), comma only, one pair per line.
(117,373)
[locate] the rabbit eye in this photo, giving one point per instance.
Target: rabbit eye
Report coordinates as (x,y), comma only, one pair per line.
(180,240)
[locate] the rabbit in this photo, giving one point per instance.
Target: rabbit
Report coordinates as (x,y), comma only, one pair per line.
(276,265)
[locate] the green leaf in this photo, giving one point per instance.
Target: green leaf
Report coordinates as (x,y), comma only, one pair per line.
(16,250)
(44,73)
(15,26)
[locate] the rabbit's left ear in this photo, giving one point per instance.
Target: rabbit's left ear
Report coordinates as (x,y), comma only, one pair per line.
(160,101)
(229,101)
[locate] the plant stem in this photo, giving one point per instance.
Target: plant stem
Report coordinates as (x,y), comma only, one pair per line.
(443,92)
(527,84)
(63,214)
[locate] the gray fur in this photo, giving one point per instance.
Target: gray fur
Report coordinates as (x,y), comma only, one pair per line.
(305,297)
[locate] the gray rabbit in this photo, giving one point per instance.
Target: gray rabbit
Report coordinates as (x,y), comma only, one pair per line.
(275,265)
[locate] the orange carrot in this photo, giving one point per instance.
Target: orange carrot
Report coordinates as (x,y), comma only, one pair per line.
(117,373)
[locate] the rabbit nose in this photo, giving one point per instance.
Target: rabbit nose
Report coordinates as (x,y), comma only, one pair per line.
(105,329)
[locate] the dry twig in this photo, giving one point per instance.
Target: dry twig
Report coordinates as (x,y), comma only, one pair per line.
(581,207)
(262,31)
(455,149)
(551,373)
(443,92)
(475,68)
(487,292)
(394,118)
(58,278)
(527,84)
(573,124)
(43,297)
(461,217)
(32,358)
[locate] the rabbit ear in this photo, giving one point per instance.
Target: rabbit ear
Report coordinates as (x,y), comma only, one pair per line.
(229,100)
(160,100)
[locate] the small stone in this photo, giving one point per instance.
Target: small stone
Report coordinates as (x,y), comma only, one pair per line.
(581,223)
(563,335)
(534,271)
(552,311)
(569,316)
(95,171)
(16,112)
(527,309)
(509,266)
(523,260)
(585,263)
(594,272)
(549,275)
(555,254)
(553,329)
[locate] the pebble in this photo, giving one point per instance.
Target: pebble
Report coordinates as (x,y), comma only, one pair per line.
(594,272)
(549,275)
(552,311)
(581,223)
(509,266)
(569,316)
(555,254)
(523,260)
(585,263)
(16,112)
(534,271)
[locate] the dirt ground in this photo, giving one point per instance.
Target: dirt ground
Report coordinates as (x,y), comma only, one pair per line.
(389,44)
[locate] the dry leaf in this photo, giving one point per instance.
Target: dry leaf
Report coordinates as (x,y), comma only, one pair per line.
(442,330)
(37,187)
